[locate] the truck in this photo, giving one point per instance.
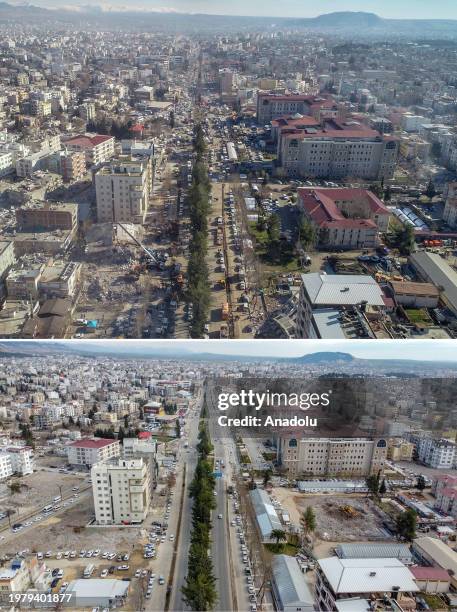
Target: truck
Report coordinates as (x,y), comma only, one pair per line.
(225,311)
(89,570)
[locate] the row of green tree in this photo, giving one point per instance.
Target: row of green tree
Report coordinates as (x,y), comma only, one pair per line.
(405,522)
(199,205)
(199,591)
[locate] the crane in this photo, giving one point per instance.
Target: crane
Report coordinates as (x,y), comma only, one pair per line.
(150,254)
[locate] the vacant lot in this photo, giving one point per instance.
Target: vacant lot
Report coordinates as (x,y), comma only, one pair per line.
(339,518)
(37,490)
(344,518)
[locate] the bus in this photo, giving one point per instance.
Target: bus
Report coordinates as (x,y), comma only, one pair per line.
(89,570)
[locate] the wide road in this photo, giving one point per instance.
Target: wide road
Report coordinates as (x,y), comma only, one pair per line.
(220,547)
(189,457)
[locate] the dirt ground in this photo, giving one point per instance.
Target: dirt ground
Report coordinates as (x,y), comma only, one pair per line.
(37,489)
(333,524)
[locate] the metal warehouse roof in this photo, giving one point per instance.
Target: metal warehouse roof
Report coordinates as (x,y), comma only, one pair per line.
(364,550)
(438,551)
(291,587)
(105,588)
(439,272)
(266,516)
(342,289)
(332,485)
(367,575)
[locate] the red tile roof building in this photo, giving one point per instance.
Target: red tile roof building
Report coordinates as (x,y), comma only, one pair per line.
(431,579)
(98,148)
(89,451)
(271,106)
(344,218)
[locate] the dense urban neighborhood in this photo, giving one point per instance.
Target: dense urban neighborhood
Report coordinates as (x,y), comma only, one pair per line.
(258,179)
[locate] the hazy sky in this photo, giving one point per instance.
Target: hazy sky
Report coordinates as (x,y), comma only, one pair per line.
(438,350)
(415,9)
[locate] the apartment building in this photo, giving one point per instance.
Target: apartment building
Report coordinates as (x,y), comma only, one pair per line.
(331,292)
(438,454)
(21,459)
(344,218)
(332,456)
(87,111)
(444,488)
(7,257)
(29,164)
(5,466)
(338,150)
(89,451)
(450,207)
(96,147)
(40,108)
(14,577)
(59,280)
(6,163)
(72,166)
(123,189)
(121,491)
(47,216)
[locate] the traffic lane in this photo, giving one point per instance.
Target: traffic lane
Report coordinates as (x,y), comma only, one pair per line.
(189,457)
(220,552)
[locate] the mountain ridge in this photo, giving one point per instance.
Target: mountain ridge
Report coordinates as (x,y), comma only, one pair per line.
(331,20)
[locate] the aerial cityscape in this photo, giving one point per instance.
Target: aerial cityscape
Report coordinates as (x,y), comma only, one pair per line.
(183,175)
(179,178)
(120,489)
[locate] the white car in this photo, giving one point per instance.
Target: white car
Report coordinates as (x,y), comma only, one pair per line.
(104,573)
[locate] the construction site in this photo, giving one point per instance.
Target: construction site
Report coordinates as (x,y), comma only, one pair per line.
(338,518)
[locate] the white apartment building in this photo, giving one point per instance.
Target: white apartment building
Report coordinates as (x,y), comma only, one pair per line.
(133,447)
(123,189)
(412,123)
(29,164)
(332,456)
(439,454)
(7,258)
(5,466)
(89,451)
(121,491)
(6,163)
(321,291)
(21,459)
